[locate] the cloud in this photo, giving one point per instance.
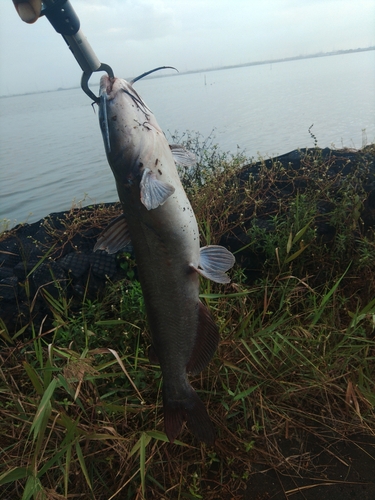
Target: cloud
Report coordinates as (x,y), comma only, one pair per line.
(130,20)
(135,35)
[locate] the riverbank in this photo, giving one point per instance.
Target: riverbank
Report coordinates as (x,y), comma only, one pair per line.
(291,388)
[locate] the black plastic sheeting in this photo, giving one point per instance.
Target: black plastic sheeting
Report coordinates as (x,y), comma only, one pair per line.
(71,266)
(44,257)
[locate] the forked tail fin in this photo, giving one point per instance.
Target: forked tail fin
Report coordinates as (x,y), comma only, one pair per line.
(190,410)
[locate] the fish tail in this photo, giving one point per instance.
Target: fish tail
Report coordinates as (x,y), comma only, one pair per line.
(191,410)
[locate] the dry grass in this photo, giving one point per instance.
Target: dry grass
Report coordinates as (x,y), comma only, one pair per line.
(80,405)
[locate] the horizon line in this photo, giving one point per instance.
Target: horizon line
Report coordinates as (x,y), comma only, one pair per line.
(218,68)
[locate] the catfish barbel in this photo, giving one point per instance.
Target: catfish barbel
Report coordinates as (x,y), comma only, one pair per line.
(159,221)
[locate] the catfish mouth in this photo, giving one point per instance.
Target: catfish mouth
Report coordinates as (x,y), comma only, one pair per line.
(109,87)
(106,84)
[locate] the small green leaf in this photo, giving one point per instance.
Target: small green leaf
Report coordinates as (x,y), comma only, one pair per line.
(296,254)
(301,232)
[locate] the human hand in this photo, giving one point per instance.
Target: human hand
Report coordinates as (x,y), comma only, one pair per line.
(28,10)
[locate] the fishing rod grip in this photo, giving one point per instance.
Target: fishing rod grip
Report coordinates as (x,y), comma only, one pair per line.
(83,52)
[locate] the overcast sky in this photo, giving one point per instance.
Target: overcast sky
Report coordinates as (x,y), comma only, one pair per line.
(134,36)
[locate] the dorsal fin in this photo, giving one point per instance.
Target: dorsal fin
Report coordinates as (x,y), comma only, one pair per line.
(182,156)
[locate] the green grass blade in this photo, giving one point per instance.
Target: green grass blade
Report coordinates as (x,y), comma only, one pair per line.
(301,232)
(40,262)
(142,460)
(63,382)
(295,254)
(44,408)
(290,243)
(14,474)
(245,393)
(33,489)
(82,464)
(34,377)
(67,468)
(126,373)
(161,436)
(224,295)
(51,462)
(138,444)
(357,317)
(326,298)
(4,332)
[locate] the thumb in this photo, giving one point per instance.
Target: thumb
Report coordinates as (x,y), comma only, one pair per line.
(28,10)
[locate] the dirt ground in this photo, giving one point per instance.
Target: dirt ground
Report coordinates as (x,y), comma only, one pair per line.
(341,469)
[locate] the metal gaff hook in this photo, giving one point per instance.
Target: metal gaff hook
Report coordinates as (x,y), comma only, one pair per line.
(63,18)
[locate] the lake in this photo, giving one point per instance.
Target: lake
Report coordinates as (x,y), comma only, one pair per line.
(52,153)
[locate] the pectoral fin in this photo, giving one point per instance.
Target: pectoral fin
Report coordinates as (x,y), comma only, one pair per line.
(214,261)
(114,237)
(154,192)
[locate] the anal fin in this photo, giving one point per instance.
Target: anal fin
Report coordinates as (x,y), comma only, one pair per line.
(207,340)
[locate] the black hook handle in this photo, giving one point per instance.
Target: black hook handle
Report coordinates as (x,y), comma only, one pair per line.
(62,16)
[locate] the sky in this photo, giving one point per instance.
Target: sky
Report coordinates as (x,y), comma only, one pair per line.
(133,36)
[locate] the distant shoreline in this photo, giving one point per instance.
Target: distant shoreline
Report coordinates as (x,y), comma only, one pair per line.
(219,68)
(274,61)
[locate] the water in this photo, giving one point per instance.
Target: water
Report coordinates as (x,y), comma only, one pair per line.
(52,152)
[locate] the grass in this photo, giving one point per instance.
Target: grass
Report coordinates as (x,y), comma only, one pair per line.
(80,404)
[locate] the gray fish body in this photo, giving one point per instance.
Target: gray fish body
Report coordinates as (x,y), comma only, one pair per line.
(165,237)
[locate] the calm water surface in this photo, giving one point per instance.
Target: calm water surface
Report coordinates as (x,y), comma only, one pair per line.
(52,152)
